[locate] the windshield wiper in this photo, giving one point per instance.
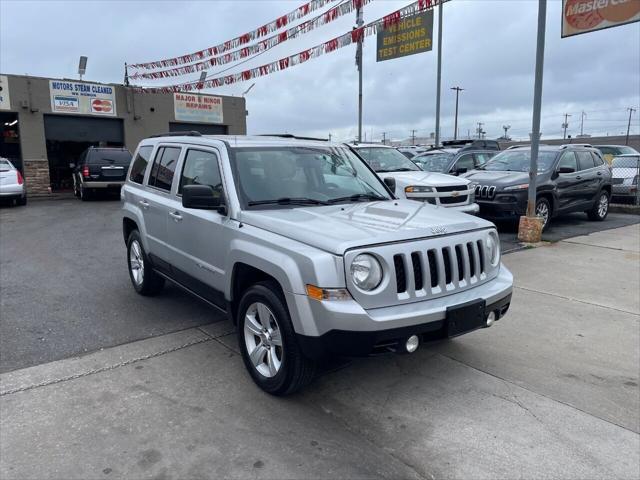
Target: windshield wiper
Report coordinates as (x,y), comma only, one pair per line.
(357,197)
(288,201)
(405,169)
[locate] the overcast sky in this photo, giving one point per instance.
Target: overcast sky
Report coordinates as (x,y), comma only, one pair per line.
(488,49)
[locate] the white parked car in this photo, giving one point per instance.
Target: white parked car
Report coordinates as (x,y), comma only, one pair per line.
(12,183)
(410,182)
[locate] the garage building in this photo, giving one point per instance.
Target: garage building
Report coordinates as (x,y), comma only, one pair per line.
(47,123)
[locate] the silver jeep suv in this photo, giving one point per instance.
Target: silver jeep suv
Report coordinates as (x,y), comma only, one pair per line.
(306,249)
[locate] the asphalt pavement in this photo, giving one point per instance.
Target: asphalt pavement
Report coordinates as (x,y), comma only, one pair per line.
(550,391)
(66,290)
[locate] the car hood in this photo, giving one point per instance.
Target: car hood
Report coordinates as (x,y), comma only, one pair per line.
(430,179)
(337,228)
(499,179)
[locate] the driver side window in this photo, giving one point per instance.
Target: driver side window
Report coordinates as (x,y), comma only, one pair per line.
(568,160)
(201,168)
(465,161)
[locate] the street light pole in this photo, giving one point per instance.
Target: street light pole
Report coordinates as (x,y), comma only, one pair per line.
(359,23)
(455,128)
(439,81)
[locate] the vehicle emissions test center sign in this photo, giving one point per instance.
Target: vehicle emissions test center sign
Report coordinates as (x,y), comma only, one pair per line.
(582,16)
(82,98)
(413,34)
(195,107)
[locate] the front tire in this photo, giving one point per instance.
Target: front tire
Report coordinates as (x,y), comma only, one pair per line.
(600,208)
(543,209)
(143,278)
(268,343)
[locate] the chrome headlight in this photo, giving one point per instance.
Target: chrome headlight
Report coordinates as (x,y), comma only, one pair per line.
(523,186)
(472,197)
(366,272)
(418,189)
(493,248)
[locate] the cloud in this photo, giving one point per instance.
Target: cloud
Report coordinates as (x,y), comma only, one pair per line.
(488,49)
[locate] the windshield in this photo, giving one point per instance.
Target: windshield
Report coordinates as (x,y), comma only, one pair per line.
(386,159)
(271,176)
(519,161)
(434,162)
(626,162)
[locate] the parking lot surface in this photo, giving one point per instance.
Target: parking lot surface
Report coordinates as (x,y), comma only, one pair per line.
(66,290)
(550,391)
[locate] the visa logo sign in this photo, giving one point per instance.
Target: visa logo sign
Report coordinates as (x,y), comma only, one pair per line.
(66,104)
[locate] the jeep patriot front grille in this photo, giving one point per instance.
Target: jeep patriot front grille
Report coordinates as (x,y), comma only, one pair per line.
(424,269)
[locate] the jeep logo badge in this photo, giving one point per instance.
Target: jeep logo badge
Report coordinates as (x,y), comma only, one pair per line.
(438,230)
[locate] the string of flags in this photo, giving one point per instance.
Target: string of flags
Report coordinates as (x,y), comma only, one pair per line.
(246,38)
(332,45)
(254,49)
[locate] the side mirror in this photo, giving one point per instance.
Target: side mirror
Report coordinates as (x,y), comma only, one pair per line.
(566,170)
(391,183)
(202,197)
(461,170)
(72,166)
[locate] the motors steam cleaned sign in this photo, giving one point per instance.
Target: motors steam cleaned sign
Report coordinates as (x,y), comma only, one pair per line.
(582,16)
(413,34)
(82,98)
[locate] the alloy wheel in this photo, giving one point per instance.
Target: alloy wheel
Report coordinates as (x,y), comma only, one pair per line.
(603,205)
(136,263)
(263,340)
(542,210)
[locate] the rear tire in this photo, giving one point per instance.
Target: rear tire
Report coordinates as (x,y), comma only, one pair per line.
(600,208)
(85,193)
(268,343)
(21,201)
(144,279)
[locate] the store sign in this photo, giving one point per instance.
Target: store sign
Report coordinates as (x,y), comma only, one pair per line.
(82,98)
(413,34)
(5,102)
(195,107)
(582,16)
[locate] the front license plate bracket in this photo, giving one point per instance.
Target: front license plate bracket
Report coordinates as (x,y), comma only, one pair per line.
(465,317)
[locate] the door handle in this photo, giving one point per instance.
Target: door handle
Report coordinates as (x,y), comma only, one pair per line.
(176,216)
(578,177)
(144,204)
(599,174)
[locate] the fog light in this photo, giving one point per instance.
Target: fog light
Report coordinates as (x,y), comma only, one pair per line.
(412,343)
(491,318)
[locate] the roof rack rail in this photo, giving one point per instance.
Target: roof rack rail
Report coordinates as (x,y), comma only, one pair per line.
(188,133)
(290,135)
(567,145)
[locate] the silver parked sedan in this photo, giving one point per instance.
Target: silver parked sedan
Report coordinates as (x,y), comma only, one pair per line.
(12,183)
(625,169)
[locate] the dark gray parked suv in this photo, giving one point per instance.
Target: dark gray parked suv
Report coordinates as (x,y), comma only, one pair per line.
(570,179)
(306,249)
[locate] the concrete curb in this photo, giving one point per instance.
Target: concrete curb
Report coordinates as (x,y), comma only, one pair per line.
(628,209)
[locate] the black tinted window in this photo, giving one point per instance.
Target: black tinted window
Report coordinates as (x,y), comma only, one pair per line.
(568,160)
(140,164)
(106,157)
(164,167)
(201,168)
(585,160)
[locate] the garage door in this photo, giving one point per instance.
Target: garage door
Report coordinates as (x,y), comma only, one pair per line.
(83,129)
(203,128)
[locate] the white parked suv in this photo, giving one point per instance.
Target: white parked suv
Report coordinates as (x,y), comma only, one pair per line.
(306,249)
(409,181)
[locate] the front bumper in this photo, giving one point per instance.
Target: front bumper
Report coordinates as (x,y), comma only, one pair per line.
(506,206)
(625,190)
(345,328)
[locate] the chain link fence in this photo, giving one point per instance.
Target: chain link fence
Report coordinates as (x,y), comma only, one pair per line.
(626,176)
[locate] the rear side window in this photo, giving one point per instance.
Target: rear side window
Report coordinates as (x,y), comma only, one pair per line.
(140,163)
(164,167)
(201,168)
(585,160)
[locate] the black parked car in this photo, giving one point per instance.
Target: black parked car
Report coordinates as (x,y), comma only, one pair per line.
(570,179)
(100,168)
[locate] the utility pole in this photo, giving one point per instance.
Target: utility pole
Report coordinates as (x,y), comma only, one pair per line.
(480,132)
(439,82)
(359,23)
(582,117)
(506,129)
(329,137)
(384,138)
(565,125)
(631,110)
(455,128)
(413,137)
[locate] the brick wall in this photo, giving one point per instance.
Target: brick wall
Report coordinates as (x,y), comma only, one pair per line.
(36,176)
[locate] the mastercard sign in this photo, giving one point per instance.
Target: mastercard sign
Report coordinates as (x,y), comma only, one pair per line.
(582,16)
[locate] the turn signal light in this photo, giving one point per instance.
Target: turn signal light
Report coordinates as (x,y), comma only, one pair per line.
(321,294)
